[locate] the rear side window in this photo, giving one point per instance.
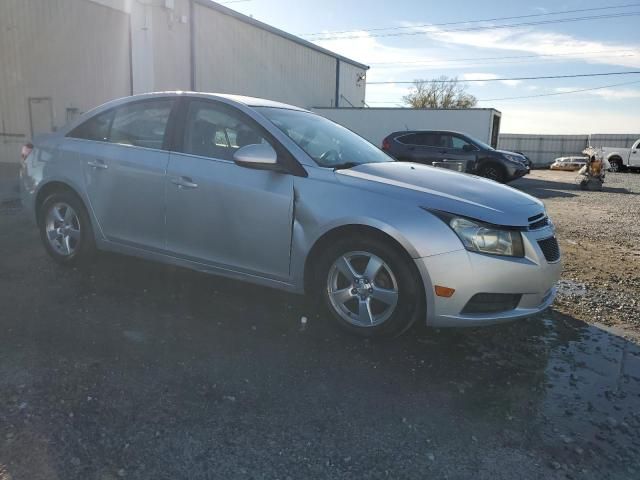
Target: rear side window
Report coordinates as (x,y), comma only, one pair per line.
(96,128)
(140,124)
(423,139)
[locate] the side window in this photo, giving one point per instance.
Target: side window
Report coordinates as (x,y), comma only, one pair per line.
(422,139)
(429,139)
(216,131)
(409,139)
(446,141)
(96,128)
(458,143)
(141,124)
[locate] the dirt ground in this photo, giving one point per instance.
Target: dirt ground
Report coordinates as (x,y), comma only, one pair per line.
(599,233)
(131,369)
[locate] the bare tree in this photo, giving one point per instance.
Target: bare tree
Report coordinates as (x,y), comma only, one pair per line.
(443,92)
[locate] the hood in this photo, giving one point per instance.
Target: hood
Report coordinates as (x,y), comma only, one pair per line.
(446,190)
(513,154)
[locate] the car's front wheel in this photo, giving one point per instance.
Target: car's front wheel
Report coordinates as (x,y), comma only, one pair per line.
(370,287)
(494,172)
(65,229)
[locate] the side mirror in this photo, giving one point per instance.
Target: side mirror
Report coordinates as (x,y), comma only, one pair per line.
(468,147)
(260,156)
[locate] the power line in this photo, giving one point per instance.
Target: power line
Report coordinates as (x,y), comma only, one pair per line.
(628,5)
(629,53)
(559,93)
(537,95)
(578,75)
(487,27)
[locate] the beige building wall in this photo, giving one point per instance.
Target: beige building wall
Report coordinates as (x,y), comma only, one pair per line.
(58,58)
(235,57)
(352,85)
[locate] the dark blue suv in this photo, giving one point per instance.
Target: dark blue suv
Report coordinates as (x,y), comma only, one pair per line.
(456,151)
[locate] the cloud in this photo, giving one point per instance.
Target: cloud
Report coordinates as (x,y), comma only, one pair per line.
(606,93)
(554,120)
(488,76)
(542,43)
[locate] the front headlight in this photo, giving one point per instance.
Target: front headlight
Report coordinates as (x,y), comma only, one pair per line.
(481,237)
(515,159)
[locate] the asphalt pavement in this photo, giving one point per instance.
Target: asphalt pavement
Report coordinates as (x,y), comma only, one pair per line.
(131,369)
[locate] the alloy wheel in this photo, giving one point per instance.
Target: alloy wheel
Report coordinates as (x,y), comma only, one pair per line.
(62,228)
(362,289)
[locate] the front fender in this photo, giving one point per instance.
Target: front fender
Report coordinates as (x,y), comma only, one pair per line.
(322,207)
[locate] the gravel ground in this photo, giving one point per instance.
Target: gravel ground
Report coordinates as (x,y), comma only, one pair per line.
(130,369)
(599,233)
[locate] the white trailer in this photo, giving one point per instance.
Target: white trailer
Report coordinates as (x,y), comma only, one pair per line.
(375,124)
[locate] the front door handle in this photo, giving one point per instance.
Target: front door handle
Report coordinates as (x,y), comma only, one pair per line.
(184,182)
(97,164)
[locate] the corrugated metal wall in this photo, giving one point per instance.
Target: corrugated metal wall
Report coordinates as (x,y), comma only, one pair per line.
(75,53)
(235,57)
(544,149)
(171,48)
(352,86)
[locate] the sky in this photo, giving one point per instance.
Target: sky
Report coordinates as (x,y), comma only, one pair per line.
(476,50)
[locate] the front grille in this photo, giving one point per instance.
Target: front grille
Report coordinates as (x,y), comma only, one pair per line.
(491,303)
(539,224)
(550,249)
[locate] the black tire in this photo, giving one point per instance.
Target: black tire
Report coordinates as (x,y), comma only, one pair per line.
(84,245)
(616,165)
(493,171)
(410,304)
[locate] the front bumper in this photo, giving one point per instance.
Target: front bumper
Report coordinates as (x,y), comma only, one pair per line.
(517,171)
(471,273)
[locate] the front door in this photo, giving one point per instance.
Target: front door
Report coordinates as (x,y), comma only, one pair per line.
(124,160)
(220,213)
(634,156)
(457,150)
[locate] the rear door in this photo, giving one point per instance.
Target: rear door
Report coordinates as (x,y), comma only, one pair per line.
(420,147)
(220,213)
(124,157)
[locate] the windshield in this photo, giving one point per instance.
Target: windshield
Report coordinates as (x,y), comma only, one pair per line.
(328,143)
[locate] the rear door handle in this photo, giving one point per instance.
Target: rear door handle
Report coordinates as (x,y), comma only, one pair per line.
(97,164)
(184,182)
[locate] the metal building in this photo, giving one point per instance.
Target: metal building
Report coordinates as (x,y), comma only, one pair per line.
(59,58)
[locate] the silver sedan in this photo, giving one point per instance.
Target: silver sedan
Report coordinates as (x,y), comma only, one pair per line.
(276,195)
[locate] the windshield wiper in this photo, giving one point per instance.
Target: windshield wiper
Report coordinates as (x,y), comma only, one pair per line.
(340,166)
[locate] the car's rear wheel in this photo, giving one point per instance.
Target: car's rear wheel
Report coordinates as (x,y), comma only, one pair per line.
(65,229)
(369,287)
(494,172)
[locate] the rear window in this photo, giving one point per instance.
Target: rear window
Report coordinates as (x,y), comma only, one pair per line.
(96,128)
(139,124)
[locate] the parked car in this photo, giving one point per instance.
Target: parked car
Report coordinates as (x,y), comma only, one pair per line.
(569,164)
(458,152)
(272,194)
(621,159)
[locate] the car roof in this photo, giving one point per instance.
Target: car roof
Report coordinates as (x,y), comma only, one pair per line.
(408,132)
(241,99)
(245,101)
